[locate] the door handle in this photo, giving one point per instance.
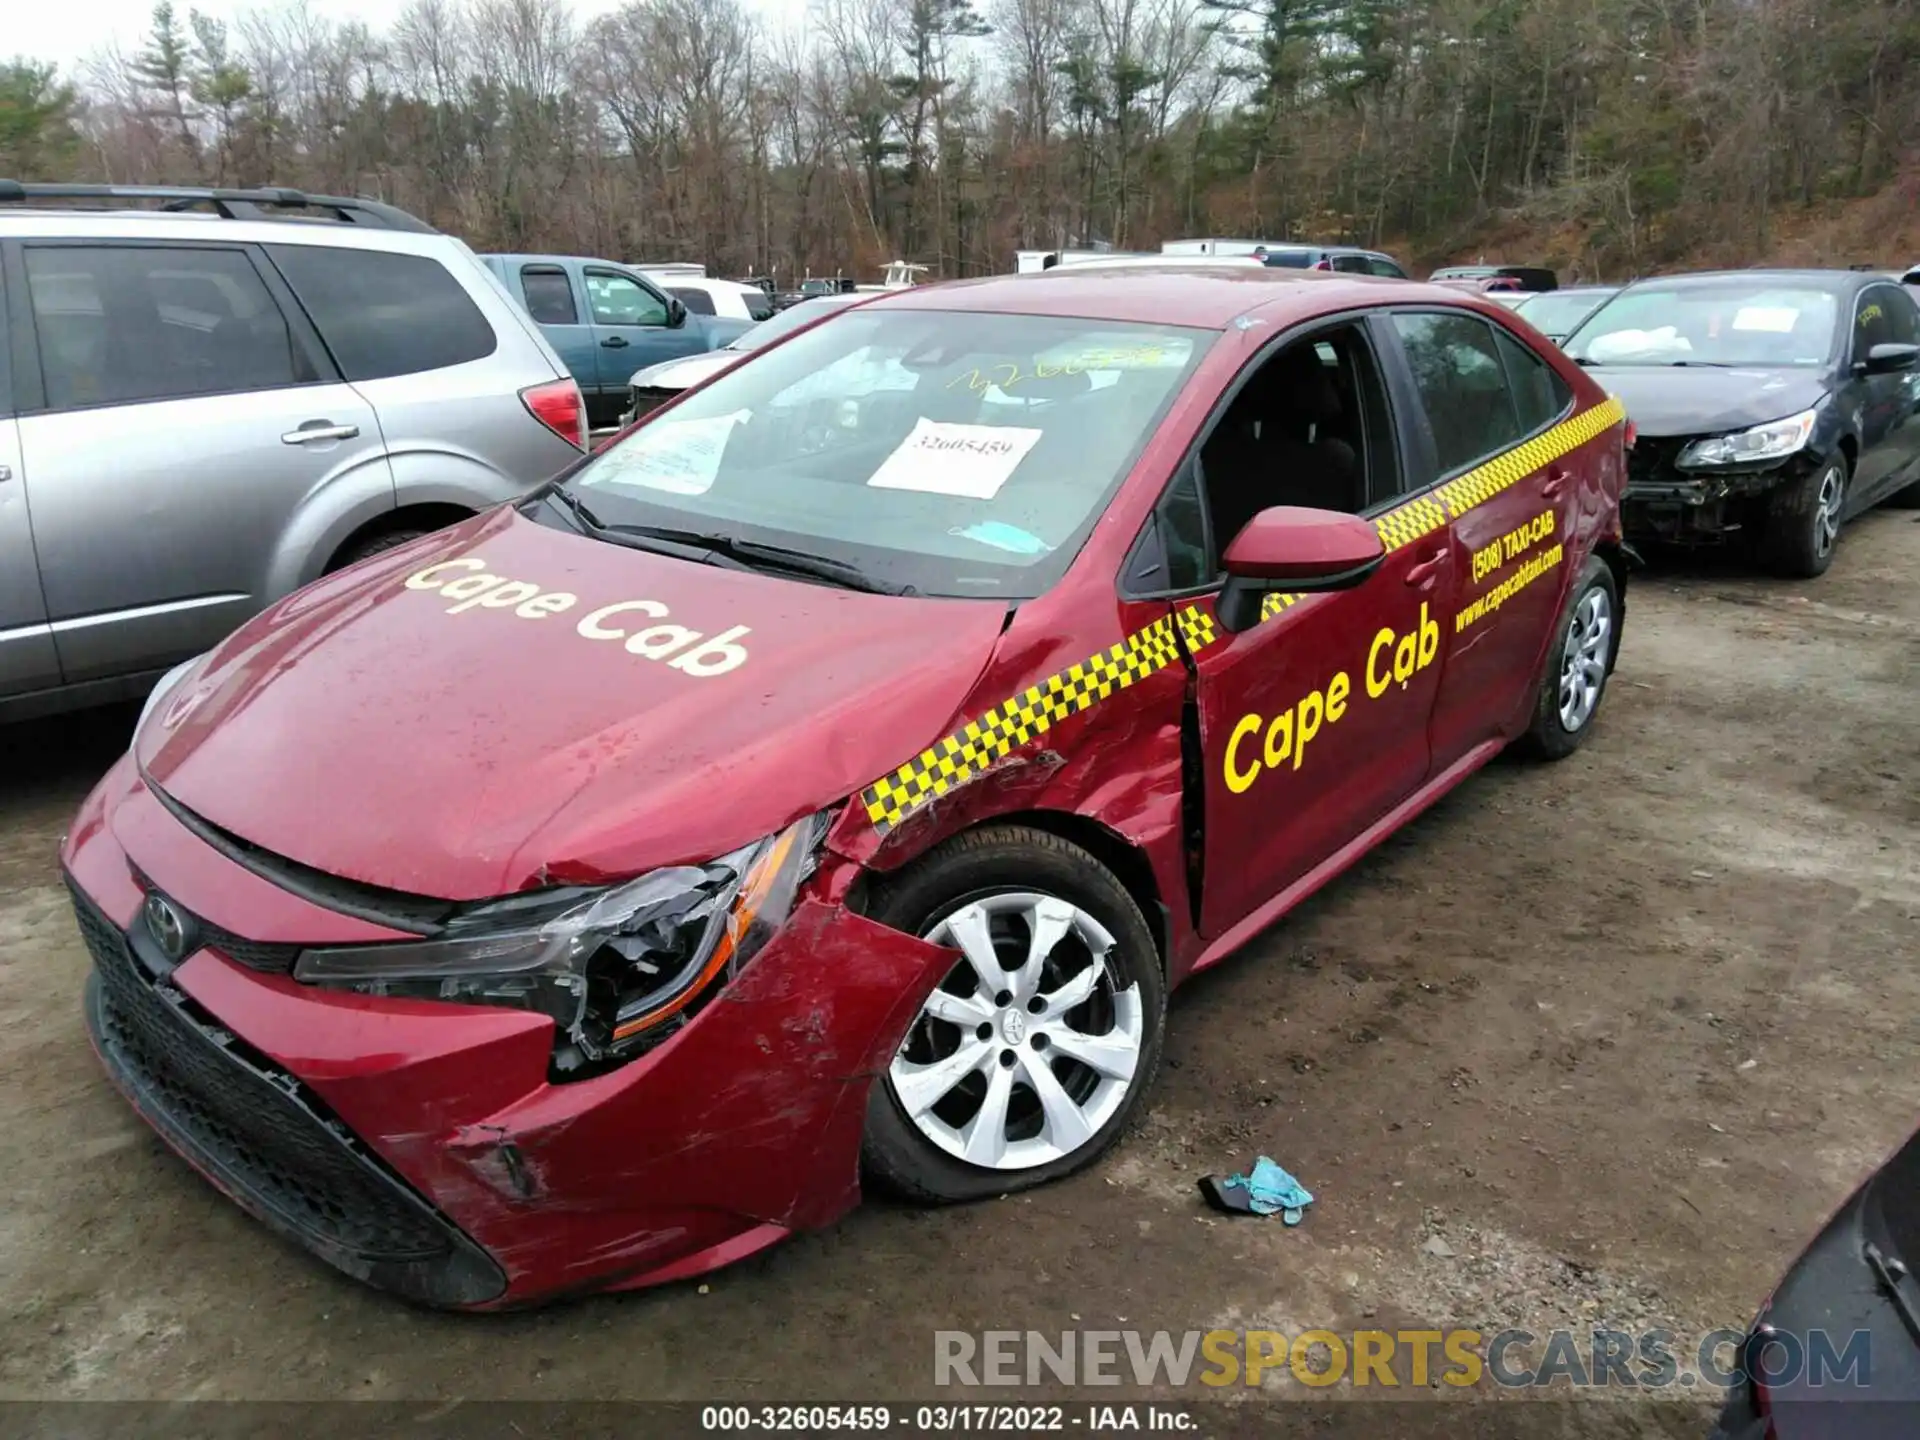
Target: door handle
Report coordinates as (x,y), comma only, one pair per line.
(319,430)
(6,473)
(1421,575)
(615,342)
(1557,477)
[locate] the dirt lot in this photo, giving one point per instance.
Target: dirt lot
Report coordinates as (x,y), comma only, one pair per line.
(1620,1032)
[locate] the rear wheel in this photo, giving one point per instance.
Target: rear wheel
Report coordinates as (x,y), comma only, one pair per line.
(373,545)
(1026,1060)
(1575,680)
(1803,521)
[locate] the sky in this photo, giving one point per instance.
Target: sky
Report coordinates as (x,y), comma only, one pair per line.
(47,30)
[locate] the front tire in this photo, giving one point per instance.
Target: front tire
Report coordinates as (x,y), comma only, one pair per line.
(1027,1059)
(1578,667)
(1803,521)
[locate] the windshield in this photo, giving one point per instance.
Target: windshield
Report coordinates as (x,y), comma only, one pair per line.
(787,321)
(1730,322)
(959,454)
(1558,314)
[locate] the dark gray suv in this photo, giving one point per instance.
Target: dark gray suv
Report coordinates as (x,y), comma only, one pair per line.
(206,406)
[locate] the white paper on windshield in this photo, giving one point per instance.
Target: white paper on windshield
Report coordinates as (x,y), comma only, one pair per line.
(938,458)
(1773,319)
(681,456)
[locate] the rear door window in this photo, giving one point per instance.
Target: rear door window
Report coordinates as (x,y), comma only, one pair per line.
(1462,380)
(123,324)
(549,295)
(1380,265)
(1352,264)
(383,314)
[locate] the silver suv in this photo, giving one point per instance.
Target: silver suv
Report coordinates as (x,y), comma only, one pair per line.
(206,406)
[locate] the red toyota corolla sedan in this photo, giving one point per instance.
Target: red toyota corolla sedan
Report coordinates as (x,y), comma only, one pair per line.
(831,779)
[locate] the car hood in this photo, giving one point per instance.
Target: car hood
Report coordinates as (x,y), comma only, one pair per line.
(1683,400)
(391,726)
(686,372)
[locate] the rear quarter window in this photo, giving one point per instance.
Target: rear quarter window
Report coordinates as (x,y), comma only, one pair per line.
(384,314)
(1539,394)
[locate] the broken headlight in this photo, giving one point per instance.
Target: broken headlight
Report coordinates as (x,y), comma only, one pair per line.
(1774,440)
(619,969)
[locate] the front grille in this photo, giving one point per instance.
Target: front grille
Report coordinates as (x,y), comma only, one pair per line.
(645,399)
(269,957)
(262,955)
(1650,462)
(258,1132)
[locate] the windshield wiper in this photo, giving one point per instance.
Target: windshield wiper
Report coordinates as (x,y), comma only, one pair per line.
(770,557)
(575,506)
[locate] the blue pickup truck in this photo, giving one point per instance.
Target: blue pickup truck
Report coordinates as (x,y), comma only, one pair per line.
(607,321)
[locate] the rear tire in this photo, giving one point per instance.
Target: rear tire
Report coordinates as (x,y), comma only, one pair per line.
(1578,667)
(1803,521)
(1014,1074)
(373,545)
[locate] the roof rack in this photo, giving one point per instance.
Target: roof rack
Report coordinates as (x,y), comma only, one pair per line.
(227,204)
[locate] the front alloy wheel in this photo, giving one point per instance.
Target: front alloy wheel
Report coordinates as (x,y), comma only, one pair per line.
(1030,1045)
(1025,1061)
(1803,520)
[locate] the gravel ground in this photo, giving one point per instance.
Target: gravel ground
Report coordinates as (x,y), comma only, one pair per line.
(1600,1042)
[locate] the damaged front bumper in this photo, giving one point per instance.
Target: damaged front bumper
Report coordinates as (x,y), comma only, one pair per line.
(1664,503)
(420,1146)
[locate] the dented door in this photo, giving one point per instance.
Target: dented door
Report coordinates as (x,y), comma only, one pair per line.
(1313,724)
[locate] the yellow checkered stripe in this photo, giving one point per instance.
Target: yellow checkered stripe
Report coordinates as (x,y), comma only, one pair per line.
(1404,524)
(1424,514)
(1271,604)
(965,753)
(1197,627)
(1476,487)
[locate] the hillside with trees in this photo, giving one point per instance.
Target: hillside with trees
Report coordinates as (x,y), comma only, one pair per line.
(1606,136)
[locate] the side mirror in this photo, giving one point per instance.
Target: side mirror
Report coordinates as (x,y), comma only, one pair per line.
(1891,359)
(676,313)
(1292,549)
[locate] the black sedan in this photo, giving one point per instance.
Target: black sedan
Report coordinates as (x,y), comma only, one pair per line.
(1771,404)
(1834,1353)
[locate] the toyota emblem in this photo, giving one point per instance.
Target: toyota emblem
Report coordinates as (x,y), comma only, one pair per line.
(168,926)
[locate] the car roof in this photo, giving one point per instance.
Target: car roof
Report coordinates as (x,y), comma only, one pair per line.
(1200,295)
(27,223)
(1153,261)
(539,259)
(1835,280)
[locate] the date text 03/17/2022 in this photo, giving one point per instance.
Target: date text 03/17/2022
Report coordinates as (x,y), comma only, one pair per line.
(1105,1419)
